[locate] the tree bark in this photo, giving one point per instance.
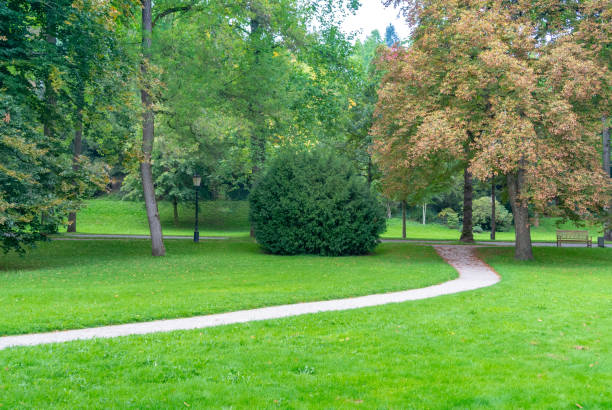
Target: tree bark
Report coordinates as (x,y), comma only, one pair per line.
(466,233)
(148,134)
(605,135)
(403,219)
(606,165)
(493,210)
(76,153)
(175,211)
(424,213)
(522,249)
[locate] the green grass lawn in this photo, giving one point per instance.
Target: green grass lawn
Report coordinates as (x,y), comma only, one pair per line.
(541,338)
(74,284)
(545,232)
(230,218)
(113,216)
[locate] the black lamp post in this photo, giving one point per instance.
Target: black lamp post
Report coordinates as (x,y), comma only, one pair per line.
(196,183)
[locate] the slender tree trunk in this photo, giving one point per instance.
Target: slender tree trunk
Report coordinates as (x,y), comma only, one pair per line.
(175,210)
(148,134)
(522,250)
(493,210)
(606,165)
(403,219)
(76,153)
(424,213)
(388,210)
(466,233)
(369,171)
(605,135)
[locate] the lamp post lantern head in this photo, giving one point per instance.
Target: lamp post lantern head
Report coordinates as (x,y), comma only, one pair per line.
(196,180)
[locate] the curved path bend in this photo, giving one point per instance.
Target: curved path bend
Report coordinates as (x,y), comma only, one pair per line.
(473,274)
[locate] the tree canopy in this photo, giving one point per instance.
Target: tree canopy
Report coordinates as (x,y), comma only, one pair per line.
(484,78)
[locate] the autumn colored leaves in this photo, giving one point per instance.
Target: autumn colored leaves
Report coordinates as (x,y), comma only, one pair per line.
(491,87)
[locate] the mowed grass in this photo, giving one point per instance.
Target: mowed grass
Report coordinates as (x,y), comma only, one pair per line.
(541,338)
(545,232)
(75,284)
(113,216)
(230,218)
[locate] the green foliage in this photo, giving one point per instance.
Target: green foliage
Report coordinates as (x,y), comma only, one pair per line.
(449,217)
(481,211)
(36,189)
(59,70)
(315,203)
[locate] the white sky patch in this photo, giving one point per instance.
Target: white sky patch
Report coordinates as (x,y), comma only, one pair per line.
(373,15)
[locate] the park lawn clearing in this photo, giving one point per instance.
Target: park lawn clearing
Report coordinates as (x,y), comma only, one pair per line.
(545,232)
(77,284)
(110,215)
(538,339)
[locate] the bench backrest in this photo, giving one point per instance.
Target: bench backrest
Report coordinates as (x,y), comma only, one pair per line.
(572,234)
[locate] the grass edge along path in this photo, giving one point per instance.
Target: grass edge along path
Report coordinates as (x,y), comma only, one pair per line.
(80,284)
(473,274)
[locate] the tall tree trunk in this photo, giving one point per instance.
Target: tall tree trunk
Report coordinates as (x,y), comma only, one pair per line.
(522,249)
(424,213)
(493,209)
(175,211)
(76,153)
(148,134)
(466,233)
(605,135)
(606,165)
(403,219)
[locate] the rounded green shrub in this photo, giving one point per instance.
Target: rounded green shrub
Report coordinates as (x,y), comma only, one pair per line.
(315,203)
(449,217)
(481,211)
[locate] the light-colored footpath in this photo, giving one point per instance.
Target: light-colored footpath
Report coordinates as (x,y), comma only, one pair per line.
(473,274)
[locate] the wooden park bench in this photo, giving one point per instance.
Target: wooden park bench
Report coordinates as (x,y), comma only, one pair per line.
(574,237)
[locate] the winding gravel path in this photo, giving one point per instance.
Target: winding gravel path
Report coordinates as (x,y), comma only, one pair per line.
(473,274)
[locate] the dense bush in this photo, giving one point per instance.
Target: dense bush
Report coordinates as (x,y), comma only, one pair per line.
(315,203)
(481,209)
(449,217)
